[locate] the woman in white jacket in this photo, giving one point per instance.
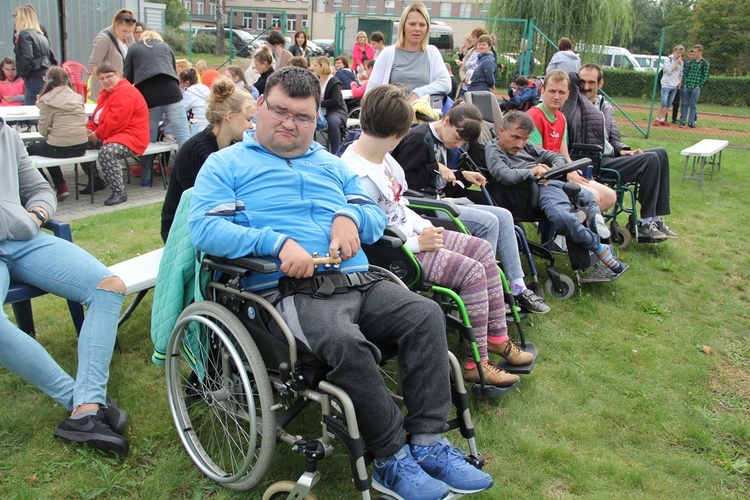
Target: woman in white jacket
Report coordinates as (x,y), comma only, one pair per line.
(194,95)
(412,62)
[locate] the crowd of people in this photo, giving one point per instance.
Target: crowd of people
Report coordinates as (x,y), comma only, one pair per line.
(263,187)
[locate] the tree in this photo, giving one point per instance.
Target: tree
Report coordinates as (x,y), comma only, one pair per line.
(721,27)
(646,30)
(176,14)
(219,51)
(584,21)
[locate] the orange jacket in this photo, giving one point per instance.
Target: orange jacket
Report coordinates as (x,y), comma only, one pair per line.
(122,116)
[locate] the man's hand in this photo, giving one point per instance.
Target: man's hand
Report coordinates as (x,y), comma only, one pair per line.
(295,261)
(344,238)
(540,170)
(630,152)
(475,178)
(447,174)
(431,239)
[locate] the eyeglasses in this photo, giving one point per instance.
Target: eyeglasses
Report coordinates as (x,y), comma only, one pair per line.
(107,76)
(303,121)
(10,70)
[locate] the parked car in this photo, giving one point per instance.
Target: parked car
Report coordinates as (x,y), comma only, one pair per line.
(241,40)
(608,56)
(329,48)
(649,62)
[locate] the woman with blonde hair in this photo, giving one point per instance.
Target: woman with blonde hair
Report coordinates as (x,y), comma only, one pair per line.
(361,52)
(229,113)
(332,105)
(411,62)
(263,60)
(62,121)
(33,53)
(149,66)
(111,46)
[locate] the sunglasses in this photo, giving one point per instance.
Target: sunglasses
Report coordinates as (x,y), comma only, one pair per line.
(129,20)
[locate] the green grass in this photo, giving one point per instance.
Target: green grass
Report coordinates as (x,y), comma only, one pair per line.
(623,402)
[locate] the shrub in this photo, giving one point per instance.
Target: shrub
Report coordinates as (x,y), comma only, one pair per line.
(177,39)
(204,44)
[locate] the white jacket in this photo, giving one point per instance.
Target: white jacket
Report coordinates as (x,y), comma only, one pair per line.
(672,75)
(381,72)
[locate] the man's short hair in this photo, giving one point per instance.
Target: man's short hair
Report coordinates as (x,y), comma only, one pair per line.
(276,38)
(565,44)
(486,39)
(556,75)
(377,37)
(385,112)
(297,83)
(678,47)
(698,47)
(515,118)
(599,72)
(479,31)
(467,119)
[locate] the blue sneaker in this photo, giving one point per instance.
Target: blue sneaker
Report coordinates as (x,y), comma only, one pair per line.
(400,477)
(448,464)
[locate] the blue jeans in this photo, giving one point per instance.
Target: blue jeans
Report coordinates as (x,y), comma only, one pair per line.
(61,268)
(32,88)
(178,122)
(495,224)
(690,105)
(667,97)
(556,207)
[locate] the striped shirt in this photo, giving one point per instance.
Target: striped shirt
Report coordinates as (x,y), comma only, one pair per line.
(695,73)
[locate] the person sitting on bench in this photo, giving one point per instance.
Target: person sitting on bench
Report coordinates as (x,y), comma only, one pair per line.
(513,161)
(280,196)
(55,265)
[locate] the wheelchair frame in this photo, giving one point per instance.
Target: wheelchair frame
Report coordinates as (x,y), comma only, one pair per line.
(226,384)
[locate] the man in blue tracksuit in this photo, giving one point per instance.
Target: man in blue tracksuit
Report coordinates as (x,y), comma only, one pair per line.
(279,196)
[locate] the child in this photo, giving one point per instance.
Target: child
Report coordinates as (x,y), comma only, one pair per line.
(522,94)
(482,76)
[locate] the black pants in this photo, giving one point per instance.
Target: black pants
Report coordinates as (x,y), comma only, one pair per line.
(42,148)
(651,171)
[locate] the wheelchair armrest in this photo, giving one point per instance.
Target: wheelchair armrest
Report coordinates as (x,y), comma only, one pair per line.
(413,193)
(443,205)
(590,148)
(392,238)
(559,172)
(242,266)
(59,229)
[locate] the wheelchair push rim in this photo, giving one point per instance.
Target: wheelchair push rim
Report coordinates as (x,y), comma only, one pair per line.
(220,396)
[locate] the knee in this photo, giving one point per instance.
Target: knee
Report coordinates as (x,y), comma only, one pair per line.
(113,284)
(607,199)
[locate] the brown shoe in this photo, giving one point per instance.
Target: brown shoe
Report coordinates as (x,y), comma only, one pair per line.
(492,376)
(510,351)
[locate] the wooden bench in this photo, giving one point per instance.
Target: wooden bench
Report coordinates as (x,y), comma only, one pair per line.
(139,276)
(163,149)
(703,153)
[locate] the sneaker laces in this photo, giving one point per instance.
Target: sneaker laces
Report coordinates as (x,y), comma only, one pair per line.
(408,470)
(448,455)
(492,369)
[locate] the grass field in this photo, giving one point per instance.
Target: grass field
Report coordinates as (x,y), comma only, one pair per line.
(642,387)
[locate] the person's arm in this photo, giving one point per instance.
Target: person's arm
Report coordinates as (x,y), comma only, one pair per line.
(359,90)
(333,93)
(489,68)
(381,71)
(417,160)
(704,69)
(356,57)
(360,208)
(25,51)
(499,165)
(128,72)
(33,189)
(615,139)
(545,156)
(441,80)
(102,44)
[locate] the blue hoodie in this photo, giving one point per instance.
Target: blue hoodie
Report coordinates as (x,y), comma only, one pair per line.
(248,201)
(483,76)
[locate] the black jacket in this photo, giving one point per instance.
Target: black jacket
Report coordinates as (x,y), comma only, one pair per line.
(585,121)
(33,53)
(332,101)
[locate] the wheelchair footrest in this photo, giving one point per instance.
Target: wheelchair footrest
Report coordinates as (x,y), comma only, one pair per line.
(491,391)
(523,369)
(600,273)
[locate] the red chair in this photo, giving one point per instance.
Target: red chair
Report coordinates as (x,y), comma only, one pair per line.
(76,71)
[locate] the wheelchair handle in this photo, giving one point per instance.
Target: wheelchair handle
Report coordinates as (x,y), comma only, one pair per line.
(326,260)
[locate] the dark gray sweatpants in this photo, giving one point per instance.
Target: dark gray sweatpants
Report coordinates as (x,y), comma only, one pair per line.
(341,330)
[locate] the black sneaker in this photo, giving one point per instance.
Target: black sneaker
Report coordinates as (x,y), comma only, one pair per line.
(531,302)
(99,185)
(94,431)
(115,416)
(691,125)
(649,233)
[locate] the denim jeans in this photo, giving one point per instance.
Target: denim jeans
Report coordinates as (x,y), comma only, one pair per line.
(177,119)
(667,97)
(61,268)
(32,88)
(690,105)
(495,224)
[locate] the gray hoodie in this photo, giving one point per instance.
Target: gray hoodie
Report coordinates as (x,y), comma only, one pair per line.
(23,187)
(511,170)
(566,60)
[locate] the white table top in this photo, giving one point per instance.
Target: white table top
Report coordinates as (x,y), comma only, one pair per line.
(346,94)
(706,147)
(25,113)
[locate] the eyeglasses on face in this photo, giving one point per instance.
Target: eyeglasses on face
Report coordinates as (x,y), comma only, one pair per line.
(106,76)
(303,121)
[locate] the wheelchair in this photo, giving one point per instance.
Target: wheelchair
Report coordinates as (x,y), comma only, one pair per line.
(237,377)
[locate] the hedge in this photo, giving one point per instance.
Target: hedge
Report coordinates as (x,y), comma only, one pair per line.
(722,90)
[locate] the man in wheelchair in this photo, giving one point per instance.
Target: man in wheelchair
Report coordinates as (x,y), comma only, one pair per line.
(513,161)
(280,196)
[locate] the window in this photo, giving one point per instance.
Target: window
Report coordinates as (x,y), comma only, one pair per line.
(276,20)
(464,10)
(337,6)
(200,8)
(428,6)
(372,6)
(247,20)
(188,4)
(390,6)
(304,21)
(353,5)
(445,9)
(320,6)
(212,9)
(484,10)
(291,24)
(262,22)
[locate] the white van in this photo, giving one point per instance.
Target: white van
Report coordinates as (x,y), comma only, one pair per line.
(608,56)
(649,62)
(441,36)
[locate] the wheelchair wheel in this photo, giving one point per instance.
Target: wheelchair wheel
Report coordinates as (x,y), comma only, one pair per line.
(220,396)
(621,236)
(567,285)
(281,490)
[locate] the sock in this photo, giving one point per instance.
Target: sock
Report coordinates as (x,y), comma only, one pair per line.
(423,440)
(470,365)
(497,339)
(517,286)
(604,252)
(83,414)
